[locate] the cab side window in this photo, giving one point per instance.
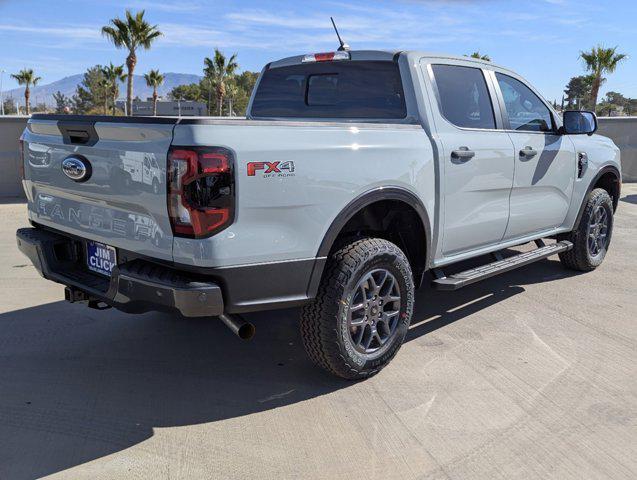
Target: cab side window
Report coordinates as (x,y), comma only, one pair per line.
(525,109)
(464,97)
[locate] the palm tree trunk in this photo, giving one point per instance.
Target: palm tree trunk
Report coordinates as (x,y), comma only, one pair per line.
(27,95)
(221,92)
(209,95)
(131,61)
(154,101)
(114,100)
(595,91)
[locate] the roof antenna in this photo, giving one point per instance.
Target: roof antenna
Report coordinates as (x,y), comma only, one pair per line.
(344,46)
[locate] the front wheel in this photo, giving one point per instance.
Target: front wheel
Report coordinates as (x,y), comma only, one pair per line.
(360,317)
(591,236)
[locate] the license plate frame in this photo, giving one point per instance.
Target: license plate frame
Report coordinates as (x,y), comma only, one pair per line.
(100,258)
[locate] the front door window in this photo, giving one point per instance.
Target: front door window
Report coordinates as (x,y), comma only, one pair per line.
(525,109)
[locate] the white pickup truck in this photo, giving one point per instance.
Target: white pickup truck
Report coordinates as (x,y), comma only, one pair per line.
(142,168)
(354,174)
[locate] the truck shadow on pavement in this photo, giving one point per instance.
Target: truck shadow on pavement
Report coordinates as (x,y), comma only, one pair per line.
(11,200)
(630,199)
(79,384)
(437,309)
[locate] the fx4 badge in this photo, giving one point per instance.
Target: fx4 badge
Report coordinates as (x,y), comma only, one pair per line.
(271,169)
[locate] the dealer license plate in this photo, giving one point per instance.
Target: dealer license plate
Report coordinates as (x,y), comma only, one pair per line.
(100,258)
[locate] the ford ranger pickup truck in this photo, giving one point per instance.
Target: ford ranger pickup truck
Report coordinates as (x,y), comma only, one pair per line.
(355,176)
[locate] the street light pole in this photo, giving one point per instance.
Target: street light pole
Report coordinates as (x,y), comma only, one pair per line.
(1,97)
(209,93)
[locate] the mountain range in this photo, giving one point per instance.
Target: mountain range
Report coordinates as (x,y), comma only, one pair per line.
(67,85)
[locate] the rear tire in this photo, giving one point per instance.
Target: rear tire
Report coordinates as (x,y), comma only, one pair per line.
(360,316)
(592,235)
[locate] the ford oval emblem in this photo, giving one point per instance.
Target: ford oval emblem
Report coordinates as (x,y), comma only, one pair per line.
(77,168)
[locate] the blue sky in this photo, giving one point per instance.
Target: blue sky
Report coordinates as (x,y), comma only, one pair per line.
(540,39)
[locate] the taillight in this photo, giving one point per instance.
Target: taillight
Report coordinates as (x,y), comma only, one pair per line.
(326,57)
(200,190)
(21,163)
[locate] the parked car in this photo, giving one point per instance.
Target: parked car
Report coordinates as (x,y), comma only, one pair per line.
(355,175)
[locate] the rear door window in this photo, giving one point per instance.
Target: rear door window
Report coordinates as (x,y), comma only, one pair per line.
(340,89)
(464,97)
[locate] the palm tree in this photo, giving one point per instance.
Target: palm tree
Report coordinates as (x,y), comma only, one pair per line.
(218,70)
(154,79)
(114,74)
(27,78)
(477,55)
(599,61)
(131,33)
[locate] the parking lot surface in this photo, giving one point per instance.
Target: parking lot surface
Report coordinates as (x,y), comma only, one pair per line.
(528,375)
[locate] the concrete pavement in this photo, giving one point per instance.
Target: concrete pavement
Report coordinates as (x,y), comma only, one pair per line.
(529,375)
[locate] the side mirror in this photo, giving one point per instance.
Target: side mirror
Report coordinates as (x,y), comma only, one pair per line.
(579,122)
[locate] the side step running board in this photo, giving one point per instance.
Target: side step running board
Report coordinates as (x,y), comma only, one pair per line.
(459,280)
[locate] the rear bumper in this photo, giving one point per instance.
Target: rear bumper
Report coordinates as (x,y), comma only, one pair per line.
(135,286)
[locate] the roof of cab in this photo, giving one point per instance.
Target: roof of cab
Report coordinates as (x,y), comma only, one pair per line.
(354,55)
(386,55)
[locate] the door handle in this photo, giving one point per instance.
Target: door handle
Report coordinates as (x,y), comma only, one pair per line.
(463,153)
(528,152)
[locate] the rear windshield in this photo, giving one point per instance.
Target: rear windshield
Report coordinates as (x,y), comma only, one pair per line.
(346,89)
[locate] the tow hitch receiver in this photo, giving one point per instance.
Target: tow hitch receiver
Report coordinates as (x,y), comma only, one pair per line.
(75,295)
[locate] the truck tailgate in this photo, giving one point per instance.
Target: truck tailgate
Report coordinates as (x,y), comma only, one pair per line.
(122,201)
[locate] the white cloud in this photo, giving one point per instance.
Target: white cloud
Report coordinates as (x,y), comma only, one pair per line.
(367,27)
(379,25)
(177,7)
(71,31)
